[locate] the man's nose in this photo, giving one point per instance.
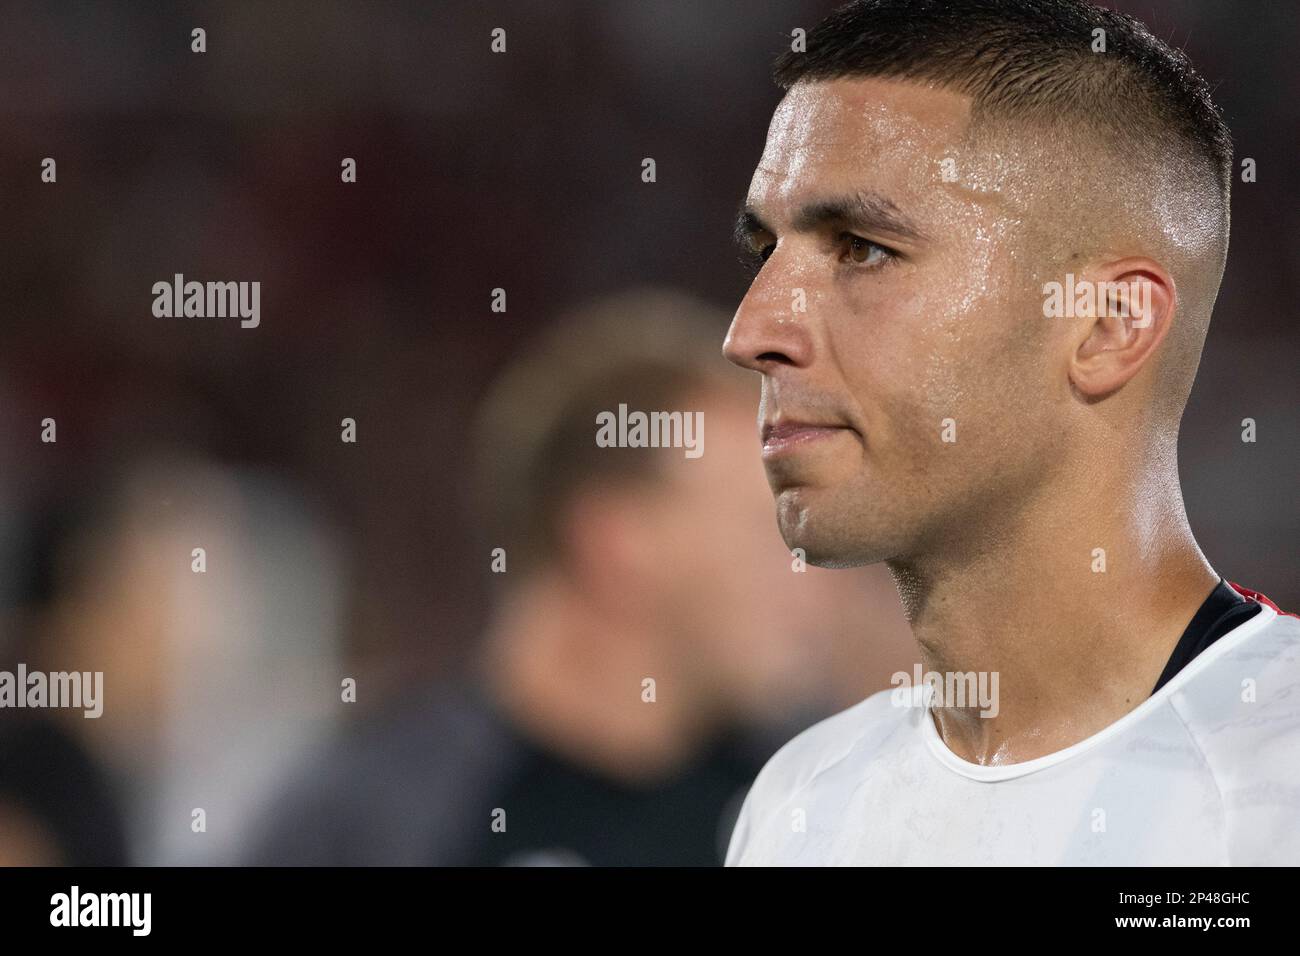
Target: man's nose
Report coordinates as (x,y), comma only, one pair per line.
(771,327)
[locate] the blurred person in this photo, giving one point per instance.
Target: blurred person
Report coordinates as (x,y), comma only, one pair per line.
(1095,691)
(215,670)
(58,806)
(650,638)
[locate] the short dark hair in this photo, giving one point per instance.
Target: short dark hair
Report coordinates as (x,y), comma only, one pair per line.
(1027,60)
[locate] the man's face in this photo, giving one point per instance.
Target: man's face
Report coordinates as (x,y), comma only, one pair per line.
(757,637)
(894,309)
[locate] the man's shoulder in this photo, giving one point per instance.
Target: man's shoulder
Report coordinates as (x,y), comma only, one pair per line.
(856,731)
(1260,659)
(1242,704)
(394,789)
(1242,710)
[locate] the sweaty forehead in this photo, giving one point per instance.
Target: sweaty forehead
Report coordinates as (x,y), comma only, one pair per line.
(870,108)
(886,135)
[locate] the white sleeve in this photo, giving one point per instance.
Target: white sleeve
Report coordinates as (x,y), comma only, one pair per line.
(740,833)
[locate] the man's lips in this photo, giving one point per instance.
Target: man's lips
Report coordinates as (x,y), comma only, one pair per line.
(788,435)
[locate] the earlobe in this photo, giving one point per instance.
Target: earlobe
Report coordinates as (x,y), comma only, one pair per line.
(1129,306)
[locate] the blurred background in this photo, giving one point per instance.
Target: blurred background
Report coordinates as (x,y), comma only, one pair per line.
(498,717)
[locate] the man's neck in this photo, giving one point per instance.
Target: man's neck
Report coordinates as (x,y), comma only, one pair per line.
(1074,647)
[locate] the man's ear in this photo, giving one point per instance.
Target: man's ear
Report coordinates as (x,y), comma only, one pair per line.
(1133,306)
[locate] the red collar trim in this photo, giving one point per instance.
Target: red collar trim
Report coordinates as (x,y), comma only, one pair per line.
(1256,596)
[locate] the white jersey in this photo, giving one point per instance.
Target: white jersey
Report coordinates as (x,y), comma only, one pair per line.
(1204,772)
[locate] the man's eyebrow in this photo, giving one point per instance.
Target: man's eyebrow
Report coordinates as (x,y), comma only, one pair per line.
(748,225)
(863,210)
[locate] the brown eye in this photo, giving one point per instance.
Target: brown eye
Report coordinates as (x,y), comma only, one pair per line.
(863,250)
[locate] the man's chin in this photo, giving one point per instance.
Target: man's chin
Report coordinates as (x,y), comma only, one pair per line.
(819,538)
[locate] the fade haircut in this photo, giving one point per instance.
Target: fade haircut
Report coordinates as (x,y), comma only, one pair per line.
(1028,61)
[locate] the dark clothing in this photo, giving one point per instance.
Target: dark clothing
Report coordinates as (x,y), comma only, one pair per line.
(559,813)
(1223,610)
(49,775)
(420,787)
